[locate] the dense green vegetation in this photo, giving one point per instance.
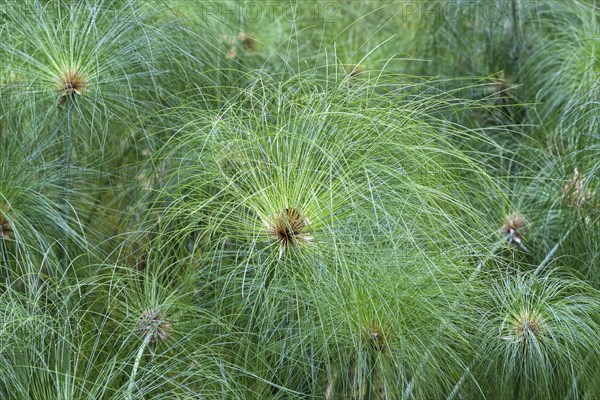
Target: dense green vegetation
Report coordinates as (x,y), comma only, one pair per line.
(234,199)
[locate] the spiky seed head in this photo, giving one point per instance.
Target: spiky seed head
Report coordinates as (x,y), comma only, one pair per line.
(514,222)
(501,88)
(232,52)
(525,326)
(248,41)
(574,192)
(152,324)
(228,39)
(290,228)
(512,229)
(5,228)
(376,338)
(71,82)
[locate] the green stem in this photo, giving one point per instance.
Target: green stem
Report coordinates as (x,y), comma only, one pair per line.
(480,266)
(457,387)
(66,185)
(5,267)
(546,260)
(136,366)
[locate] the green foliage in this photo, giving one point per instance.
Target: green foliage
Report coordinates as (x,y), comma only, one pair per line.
(339,200)
(538,335)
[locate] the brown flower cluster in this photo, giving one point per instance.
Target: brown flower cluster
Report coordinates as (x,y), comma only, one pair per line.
(153,327)
(71,82)
(289,228)
(243,41)
(513,228)
(5,228)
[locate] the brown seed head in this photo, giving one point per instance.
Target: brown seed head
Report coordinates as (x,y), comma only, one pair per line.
(575,193)
(512,229)
(289,228)
(376,338)
(513,223)
(5,228)
(228,39)
(71,82)
(232,52)
(248,41)
(526,326)
(501,88)
(151,324)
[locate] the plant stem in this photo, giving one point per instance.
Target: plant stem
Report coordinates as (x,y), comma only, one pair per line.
(5,266)
(136,366)
(551,253)
(411,384)
(66,184)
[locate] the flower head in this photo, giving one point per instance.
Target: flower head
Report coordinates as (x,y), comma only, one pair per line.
(153,327)
(244,41)
(289,228)
(375,335)
(247,41)
(525,326)
(5,228)
(512,230)
(502,89)
(376,338)
(71,82)
(574,192)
